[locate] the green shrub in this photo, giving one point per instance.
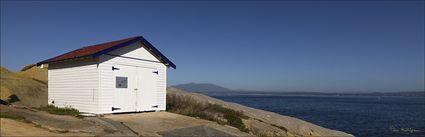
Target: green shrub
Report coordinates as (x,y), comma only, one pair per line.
(3,115)
(60,111)
(188,106)
(235,121)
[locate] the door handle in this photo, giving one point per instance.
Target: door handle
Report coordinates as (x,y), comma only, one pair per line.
(135,89)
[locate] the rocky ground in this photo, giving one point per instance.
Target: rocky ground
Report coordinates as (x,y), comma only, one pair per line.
(264,123)
(26,90)
(28,121)
(11,127)
(165,123)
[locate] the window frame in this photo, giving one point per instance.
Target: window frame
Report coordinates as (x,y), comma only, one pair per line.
(121,79)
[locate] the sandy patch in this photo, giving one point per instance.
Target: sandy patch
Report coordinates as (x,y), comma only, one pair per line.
(11,127)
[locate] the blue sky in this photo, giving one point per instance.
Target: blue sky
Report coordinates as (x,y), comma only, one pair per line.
(290,45)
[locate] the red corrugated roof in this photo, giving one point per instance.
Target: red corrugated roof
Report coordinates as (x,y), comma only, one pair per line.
(95,51)
(88,50)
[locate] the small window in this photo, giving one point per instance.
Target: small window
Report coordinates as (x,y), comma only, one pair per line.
(121,82)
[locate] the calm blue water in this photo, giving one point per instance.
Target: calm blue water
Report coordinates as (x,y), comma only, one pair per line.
(362,116)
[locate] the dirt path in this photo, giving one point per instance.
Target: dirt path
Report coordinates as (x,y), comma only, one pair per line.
(11,127)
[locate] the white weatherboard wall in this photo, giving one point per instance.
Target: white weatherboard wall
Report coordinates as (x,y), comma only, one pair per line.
(74,84)
(89,84)
(129,57)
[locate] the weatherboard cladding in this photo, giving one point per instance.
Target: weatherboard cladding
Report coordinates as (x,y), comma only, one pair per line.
(74,84)
(88,84)
(107,78)
(95,51)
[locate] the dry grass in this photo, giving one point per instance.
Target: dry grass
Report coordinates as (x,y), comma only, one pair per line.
(34,72)
(4,93)
(4,70)
(28,67)
(29,86)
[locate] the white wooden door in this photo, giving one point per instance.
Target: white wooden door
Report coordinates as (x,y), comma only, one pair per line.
(125,88)
(147,91)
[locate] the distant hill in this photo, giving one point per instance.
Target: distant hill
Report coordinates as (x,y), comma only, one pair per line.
(201,87)
(404,93)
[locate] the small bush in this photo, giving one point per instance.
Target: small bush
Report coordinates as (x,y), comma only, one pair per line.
(188,106)
(235,121)
(60,111)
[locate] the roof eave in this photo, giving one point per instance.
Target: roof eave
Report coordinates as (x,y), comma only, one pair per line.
(47,62)
(156,51)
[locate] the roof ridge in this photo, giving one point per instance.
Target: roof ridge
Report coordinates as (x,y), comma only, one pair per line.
(128,38)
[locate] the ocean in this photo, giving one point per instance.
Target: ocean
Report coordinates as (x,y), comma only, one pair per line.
(362,116)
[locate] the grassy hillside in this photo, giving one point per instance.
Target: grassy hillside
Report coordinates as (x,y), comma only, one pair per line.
(4,70)
(32,71)
(27,87)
